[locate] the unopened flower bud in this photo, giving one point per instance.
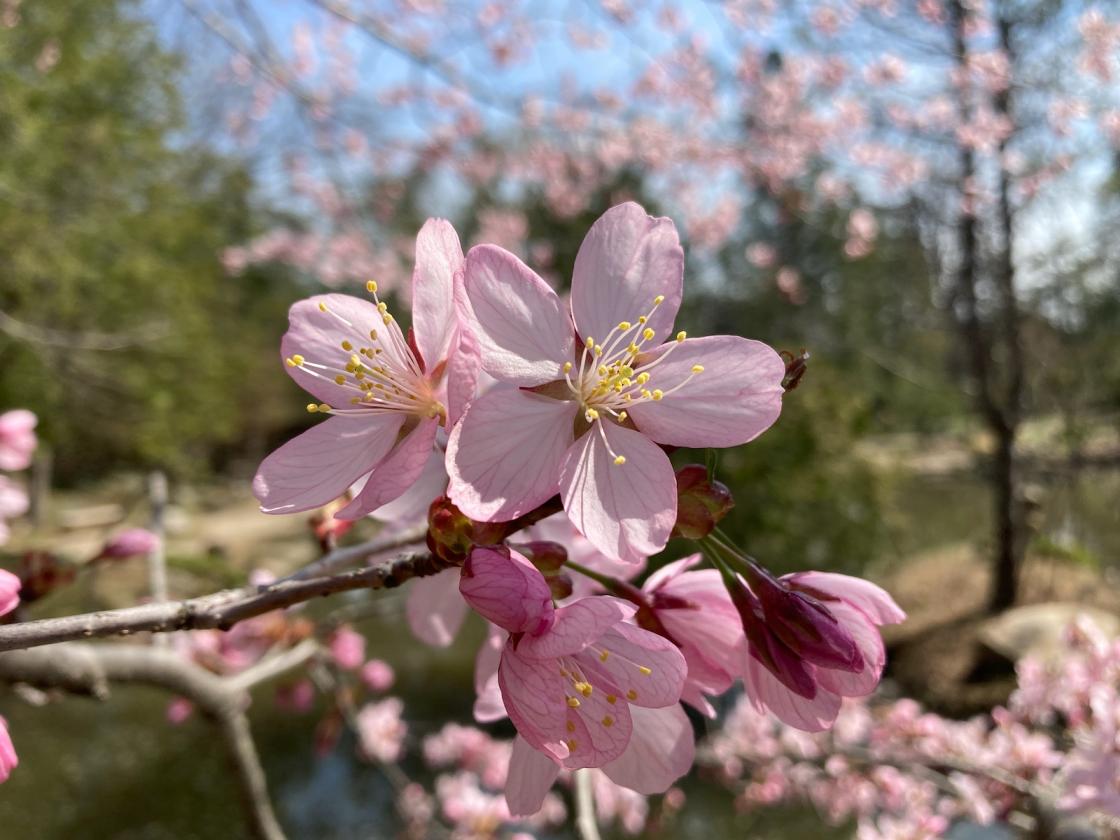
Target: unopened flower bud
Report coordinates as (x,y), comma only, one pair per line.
(451,535)
(701,502)
(548,557)
(129,543)
(560,586)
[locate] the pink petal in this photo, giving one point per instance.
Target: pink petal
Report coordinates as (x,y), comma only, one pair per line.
(396,473)
(872,600)
(736,398)
(507,590)
(628,650)
(763,688)
(435,609)
(318,337)
(488,705)
(8,758)
(626,260)
(410,509)
(599,728)
(670,571)
(504,456)
(576,626)
(661,750)
(531,775)
(696,699)
(870,645)
(533,692)
(9,592)
(463,368)
(438,257)
(523,331)
(318,466)
(626,510)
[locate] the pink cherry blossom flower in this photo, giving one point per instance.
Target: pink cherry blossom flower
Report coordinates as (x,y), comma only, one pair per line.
(696,612)
(378,675)
(348,648)
(812,639)
(179,710)
(381,732)
(131,542)
(599,388)
(8,758)
(575,680)
(9,592)
(388,395)
(17,439)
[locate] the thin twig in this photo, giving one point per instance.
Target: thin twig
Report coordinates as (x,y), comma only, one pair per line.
(220,610)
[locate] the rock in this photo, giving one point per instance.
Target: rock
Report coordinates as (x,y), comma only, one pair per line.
(1038,629)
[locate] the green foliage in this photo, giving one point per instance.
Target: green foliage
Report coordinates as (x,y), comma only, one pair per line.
(131,344)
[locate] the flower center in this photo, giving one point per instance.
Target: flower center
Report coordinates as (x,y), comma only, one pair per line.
(378,367)
(580,685)
(611,378)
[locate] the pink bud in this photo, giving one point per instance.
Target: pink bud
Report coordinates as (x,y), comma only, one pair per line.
(378,675)
(9,592)
(8,757)
(549,557)
(348,648)
(129,543)
(178,710)
(451,535)
(507,590)
(701,502)
(767,648)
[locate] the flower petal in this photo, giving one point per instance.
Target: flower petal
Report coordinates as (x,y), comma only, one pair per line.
(317,335)
(670,571)
(736,398)
(870,599)
(598,728)
(319,465)
(815,715)
(410,509)
(504,456)
(531,775)
(576,626)
(488,705)
(523,331)
(461,379)
(661,750)
(647,668)
(438,257)
(507,590)
(435,609)
(396,473)
(626,510)
(871,647)
(9,591)
(533,692)
(626,260)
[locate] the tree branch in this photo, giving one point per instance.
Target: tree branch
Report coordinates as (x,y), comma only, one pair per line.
(220,610)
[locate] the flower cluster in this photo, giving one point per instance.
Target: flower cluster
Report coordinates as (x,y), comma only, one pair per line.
(534,432)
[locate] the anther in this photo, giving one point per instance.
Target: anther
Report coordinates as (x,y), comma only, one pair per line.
(340,380)
(660,299)
(612,699)
(619,460)
(347,346)
(608,721)
(604,655)
(631,695)
(371,287)
(312,408)
(682,335)
(591,415)
(298,360)
(584,688)
(648,334)
(697,368)
(644,671)
(589,342)
(657,394)
(567,367)
(573,702)
(623,326)
(322,307)
(571,727)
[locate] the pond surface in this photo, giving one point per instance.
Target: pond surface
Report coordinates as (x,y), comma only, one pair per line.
(118,770)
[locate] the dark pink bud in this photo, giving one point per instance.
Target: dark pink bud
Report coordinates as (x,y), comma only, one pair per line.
(805,625)
(507,590)
(560,586)
(701,502)
(549,557)
(768,648)
(129,543)
(452,535)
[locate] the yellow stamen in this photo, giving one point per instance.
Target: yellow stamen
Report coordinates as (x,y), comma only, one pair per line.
(619,460)
(644,671)
(584,688)
(567,367)
(371,287)
(657,394)
(697,368)
(571,727)
(682,335)
(648,334)
(573,702)
(322,307)
(347,346)
(312,408)
(612,699)
(608,721)
(631,695)
(623,326)
(660,299)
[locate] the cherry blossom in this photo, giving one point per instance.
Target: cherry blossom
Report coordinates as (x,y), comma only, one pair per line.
(388,395)
(605,370)
(17,439)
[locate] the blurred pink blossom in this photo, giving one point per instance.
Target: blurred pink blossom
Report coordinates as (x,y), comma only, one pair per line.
(17,439)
